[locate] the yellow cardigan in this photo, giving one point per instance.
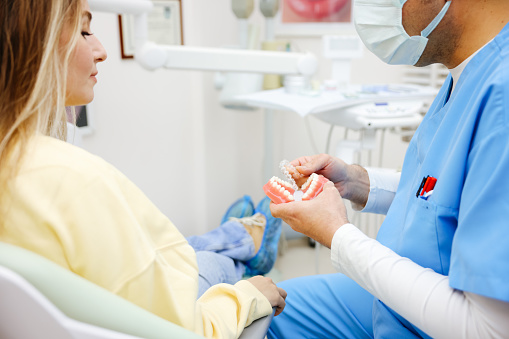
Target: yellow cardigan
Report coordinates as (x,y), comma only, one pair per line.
(80,212)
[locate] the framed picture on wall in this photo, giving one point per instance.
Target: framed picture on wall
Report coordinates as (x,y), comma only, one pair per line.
(164,26)
(313,17)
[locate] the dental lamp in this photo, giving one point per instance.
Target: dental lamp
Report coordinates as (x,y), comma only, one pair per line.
(153,56)
(243,10)
(269,9)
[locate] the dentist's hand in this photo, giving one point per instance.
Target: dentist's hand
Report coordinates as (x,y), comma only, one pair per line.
(319,218)
(351,181)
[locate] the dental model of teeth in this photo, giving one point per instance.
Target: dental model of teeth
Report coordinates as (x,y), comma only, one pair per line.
(281,191)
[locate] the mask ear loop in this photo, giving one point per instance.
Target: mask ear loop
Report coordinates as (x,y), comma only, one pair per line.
(431,27)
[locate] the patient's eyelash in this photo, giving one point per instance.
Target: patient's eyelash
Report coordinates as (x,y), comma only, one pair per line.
(85,34)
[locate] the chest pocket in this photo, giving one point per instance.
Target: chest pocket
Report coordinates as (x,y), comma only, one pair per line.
(428,234)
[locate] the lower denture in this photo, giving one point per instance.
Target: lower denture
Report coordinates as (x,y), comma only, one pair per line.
(313,186)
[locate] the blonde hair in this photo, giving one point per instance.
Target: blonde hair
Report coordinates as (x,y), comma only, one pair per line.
(34,56)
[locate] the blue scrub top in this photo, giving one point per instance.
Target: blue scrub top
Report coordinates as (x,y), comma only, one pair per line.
(462,230)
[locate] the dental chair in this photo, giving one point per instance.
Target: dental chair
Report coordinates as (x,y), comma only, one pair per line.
(39,299)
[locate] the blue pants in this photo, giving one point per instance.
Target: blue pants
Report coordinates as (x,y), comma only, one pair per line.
(220,254)
(324,306)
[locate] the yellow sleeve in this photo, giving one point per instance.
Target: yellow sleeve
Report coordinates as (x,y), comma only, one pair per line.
(223,305)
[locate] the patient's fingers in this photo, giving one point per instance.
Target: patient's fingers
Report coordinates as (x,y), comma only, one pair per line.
(275,295)
(282,292)
(282,301)
(280,306)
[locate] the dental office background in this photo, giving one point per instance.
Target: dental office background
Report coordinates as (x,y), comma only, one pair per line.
(167,131)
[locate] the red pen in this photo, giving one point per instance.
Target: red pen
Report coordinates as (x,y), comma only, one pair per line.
(429,185)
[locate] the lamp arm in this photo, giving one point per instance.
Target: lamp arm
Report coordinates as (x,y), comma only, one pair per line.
(152,56)
(121,6)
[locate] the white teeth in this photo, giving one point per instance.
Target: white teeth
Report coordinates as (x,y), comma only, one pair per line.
(313,179)
(284,188)
(278,183)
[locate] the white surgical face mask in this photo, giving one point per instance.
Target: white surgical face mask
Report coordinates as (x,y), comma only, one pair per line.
(380,26)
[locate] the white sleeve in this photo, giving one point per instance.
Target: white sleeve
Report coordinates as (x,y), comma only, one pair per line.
(382,189)
(418,294)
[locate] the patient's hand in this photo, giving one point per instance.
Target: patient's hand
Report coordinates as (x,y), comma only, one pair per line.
(274,294)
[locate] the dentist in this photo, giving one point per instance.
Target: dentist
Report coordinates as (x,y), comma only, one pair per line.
(439,266)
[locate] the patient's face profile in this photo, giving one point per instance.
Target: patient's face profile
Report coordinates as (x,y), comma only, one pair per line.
(82,70)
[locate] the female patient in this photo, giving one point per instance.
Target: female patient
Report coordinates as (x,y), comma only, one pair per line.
(80,212)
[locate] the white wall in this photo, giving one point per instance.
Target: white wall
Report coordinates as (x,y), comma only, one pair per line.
(166,131)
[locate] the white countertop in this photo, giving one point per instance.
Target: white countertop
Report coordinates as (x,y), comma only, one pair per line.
(328,100)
